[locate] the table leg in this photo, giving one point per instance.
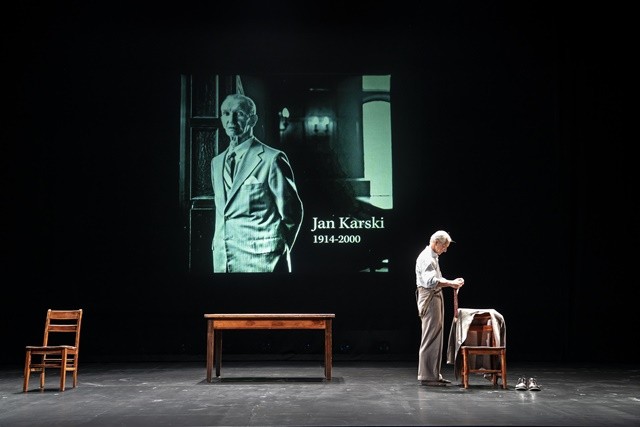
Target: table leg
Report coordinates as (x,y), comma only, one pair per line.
(209,349)
(218,351)
(328,348)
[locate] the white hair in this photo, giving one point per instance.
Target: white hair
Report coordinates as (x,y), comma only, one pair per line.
(247,103)
(440,236)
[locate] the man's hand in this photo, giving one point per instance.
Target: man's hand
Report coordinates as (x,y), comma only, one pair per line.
(457,283)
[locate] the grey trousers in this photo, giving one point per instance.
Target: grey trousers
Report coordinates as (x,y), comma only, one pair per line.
(431,312)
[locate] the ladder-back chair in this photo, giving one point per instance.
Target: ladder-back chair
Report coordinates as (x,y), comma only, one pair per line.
(480,335)
(59,349)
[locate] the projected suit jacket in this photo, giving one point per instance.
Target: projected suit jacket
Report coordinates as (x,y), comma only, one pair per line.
(256,225)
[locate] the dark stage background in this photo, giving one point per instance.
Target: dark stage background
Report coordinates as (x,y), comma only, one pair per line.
(510,128)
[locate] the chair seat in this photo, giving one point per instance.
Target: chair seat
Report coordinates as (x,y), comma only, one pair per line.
(483,349)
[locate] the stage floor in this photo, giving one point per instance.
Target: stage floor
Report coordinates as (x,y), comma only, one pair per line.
(295,393)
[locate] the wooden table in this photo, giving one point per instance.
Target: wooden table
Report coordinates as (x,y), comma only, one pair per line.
(216,323)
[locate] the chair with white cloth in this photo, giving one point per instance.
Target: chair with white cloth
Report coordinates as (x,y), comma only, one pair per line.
(477,344)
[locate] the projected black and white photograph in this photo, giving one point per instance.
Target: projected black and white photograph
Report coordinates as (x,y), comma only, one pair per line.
(312,189)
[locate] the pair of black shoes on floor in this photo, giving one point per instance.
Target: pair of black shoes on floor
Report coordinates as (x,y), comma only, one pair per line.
(530,384)
(439,383)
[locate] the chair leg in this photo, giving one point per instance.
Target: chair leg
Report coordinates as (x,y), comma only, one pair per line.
(465,368)
(63,369)
(503,367)
(63,377)
(42,373)
(27,371)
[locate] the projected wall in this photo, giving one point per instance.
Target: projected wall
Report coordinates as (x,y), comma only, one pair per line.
(335,133)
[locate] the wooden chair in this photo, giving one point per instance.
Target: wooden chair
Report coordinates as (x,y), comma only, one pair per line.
(59,349)
(480,342)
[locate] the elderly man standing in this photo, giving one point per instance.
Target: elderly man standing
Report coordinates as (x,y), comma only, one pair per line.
(429,282)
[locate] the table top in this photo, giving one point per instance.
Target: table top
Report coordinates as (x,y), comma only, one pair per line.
(269,316)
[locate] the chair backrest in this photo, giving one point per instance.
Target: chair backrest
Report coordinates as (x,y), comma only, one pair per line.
(481,329)
(62,327)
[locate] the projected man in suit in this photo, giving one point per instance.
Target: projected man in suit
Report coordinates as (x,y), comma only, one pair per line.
(258,211)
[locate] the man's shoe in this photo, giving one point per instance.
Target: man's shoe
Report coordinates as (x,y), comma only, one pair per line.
(431,383)
(522,384)
(533,385)
(442,380)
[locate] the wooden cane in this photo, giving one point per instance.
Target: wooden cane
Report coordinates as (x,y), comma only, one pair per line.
(455,303)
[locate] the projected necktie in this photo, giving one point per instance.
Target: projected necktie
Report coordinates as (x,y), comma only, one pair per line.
(229,166)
